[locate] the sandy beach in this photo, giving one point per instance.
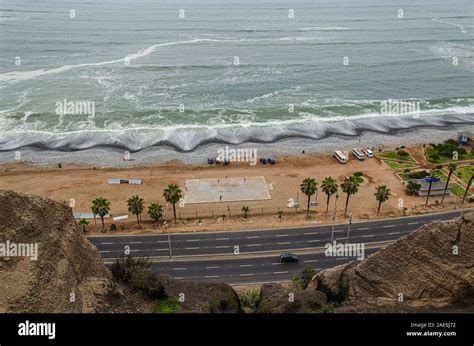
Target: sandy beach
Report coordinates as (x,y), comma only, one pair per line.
(84,182)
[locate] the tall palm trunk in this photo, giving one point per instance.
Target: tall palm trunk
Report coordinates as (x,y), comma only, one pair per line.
(102,219)
(429,191)
(309,201)
(347,203)
(467,188)
(446,186)
(174,212)
(378,210)
(138,220)
(327,204)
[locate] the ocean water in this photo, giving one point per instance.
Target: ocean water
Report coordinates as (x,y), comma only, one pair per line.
(230,71)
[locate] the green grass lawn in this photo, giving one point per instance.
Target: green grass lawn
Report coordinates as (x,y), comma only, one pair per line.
(456,189)
(464,173)
(446,159)
(397,165)
(392,154)
(166,306)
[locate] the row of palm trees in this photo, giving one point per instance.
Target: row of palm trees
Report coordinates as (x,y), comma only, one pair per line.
(350,187)
(136,205)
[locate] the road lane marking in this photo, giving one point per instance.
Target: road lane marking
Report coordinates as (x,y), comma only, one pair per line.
(310,261)
(222,247)
(216,267)
(192,248)
(179,278)
(135,242)
(106,243)
(276,264)
(104,251)
(222,238)
(246,275)
(388,226)
(393,233)
(363,228)
(162,241)
(193,240)
(179,268)
(310,233)
(134,250)
(253,237)
(312,241)
(280,272)
(412,223)
(339,230)
(342,258)
(211,276)
(245,265)
(285,243)
(367,236)
(281,235)
(254,245)
(162,249)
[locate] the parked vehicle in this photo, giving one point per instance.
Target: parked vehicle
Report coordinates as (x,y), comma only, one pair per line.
(288,258)
(368,153)
(358,154)
(340,156)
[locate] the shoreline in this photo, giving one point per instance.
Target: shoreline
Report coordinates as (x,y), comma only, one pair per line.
(113,157)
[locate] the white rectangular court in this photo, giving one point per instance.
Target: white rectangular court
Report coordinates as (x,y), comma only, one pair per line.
(224,189)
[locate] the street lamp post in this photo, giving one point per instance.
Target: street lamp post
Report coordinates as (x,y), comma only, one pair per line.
(334,219)
(168,232)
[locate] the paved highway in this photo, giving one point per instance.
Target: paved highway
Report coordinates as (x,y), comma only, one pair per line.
(211,256)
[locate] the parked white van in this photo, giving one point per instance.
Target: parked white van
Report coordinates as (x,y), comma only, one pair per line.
(368,153)
(340,156)
(358,154)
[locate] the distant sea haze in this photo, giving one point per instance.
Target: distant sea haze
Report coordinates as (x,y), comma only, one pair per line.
(183,75)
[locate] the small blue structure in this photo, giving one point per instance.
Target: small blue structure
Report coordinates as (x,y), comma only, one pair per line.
(464,139)
(435,179)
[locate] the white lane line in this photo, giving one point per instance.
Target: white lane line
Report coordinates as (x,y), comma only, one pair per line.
(342,258)
(104,251)
(193,240)
(135,242)
(281,235)
(192,248)
(310,233)
(162,241)
(339,230)
(393,233)
(312,241)
(388,226)
(161,249)
(412,223)
(216,267)
(310,261)
(211,276)
(276,264)
(254,245)
(179,278)
(285,243)
(246,275)
(106,243)
(363,228)
(134,250)
(253,237)
(341,238)
(245,265)
(179,268)
(222,238)
(222,247)
(367,236)
(280,272)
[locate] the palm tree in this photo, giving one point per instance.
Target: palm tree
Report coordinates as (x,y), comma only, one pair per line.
(309,188)
(431,176)
(350,186)
(172,194)
(155,210)
(83,223)
(245,210)
(280,214)
(383,193)
(100,206)
(329,187)
(136,206)
(452,167)
(467,188)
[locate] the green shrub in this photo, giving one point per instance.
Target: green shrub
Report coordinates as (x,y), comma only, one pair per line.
(249,298)
(306,275)
(167,306)
(402,153)
(123,267)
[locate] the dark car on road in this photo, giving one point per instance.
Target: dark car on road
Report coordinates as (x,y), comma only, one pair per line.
(288,258)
